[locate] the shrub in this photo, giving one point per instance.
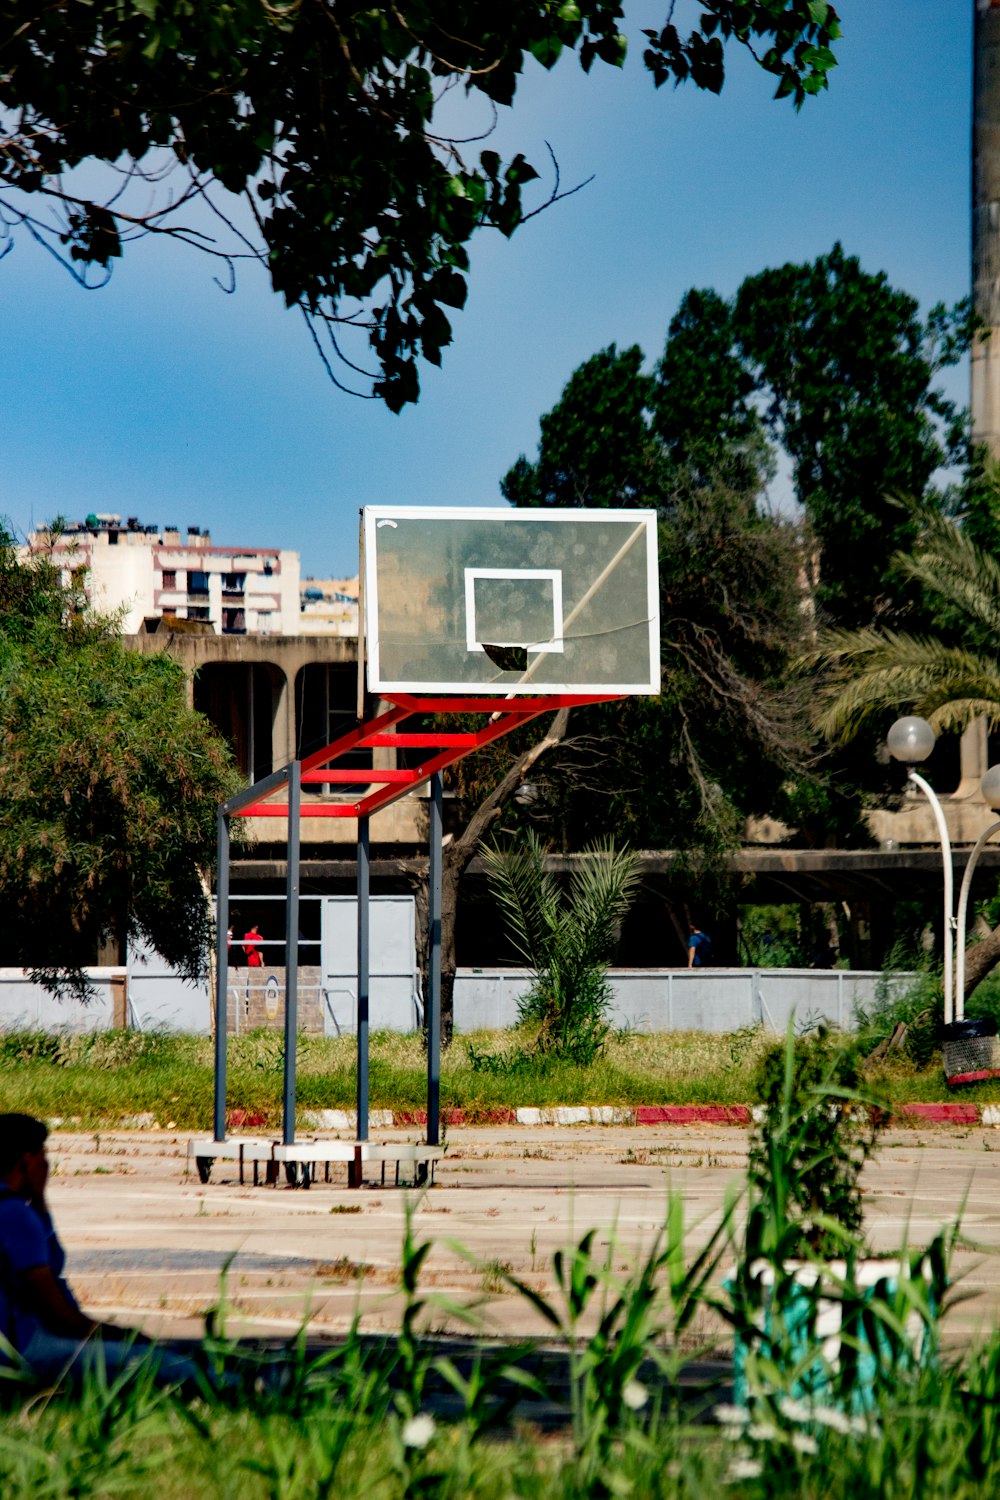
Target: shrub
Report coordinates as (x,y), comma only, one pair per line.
(566,942)
(813,1137)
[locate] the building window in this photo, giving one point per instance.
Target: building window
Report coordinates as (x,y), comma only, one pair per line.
(197,583)
(169,579)
(198,612)
(234,622)
(233,583)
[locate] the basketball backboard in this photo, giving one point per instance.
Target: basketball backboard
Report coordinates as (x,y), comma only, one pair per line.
(476,600)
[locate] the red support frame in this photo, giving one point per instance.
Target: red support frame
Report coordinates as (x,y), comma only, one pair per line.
(386,785)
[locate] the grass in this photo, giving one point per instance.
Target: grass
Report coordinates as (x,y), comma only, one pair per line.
(367,1417)
(105,1079)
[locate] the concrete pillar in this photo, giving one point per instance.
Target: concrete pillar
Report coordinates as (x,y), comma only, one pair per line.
(283,722)
(119,1001)
(985,372)
(972,751)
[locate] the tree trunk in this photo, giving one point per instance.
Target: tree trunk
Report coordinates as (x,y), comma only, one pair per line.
(458,855)
(980,958)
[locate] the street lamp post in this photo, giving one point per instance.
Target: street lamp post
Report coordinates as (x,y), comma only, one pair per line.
(911,741)
(970,1049)
(990,787)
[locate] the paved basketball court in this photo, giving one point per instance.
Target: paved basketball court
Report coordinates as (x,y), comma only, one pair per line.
(147,1242)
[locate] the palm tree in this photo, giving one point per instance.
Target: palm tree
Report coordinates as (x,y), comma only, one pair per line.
(947,681)
(873,671)
(566,942)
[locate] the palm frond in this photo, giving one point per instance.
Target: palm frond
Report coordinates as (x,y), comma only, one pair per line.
(873,672)
(601,892)
(949,562)
(527,896)
(956,714)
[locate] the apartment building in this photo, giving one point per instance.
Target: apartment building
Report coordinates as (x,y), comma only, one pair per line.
(148,571)
(329,606)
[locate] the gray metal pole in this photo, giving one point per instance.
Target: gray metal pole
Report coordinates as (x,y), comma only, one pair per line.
(221,970)
(433,1016)
(292,948)
(985,357)
(364,865)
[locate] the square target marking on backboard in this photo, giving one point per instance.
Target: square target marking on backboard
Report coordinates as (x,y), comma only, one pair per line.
(514,607)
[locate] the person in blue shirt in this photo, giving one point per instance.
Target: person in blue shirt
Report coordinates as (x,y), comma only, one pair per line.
(42,1327)
(699,948)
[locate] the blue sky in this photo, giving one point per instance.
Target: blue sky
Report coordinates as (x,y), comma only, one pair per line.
(161,397)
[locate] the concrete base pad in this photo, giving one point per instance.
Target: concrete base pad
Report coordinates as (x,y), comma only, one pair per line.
(301,1158)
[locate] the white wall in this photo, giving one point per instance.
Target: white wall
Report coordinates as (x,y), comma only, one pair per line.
(717,1000)
(123,576)
(28,1007)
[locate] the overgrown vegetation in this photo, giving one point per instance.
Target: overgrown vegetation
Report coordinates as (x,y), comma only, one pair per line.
(814,1134)
(881,1412)
(114,1077)
(566,941)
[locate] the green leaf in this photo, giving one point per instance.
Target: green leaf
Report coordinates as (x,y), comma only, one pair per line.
(547,50)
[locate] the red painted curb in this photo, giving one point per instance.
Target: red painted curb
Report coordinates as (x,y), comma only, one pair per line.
(240,1119)
(951,1114)
(692,1114)
(739,1115)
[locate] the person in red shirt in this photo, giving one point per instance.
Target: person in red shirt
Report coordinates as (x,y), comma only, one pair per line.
(252,944)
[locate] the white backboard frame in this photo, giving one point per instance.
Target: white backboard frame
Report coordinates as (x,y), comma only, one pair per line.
(643,525)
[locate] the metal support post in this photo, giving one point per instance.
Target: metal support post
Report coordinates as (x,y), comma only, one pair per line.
(221,969)
(963,907)
(949,893)
(292,948)
(434,965)
(364,866)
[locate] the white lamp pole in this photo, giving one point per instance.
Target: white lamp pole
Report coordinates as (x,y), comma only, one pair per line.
(991,796)
(911,740)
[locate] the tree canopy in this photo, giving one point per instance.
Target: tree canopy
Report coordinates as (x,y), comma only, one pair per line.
(847,369)
(824,360)
(686,769)
(109,785)
(836,366)
(326,121)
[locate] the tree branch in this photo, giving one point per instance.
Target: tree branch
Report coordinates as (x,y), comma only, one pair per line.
(460,853)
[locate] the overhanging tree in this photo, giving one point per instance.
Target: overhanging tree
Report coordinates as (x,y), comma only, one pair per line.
(109,786)
(325,120)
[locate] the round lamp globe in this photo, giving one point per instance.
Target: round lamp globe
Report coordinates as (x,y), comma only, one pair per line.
(910,740)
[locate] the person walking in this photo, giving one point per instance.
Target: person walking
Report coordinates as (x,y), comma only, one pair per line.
(699,948)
